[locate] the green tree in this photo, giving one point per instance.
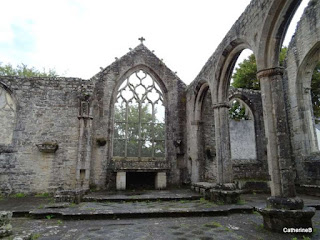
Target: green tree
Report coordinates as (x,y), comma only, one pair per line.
(22,70)
(237,112)
(245,75)
(151,132)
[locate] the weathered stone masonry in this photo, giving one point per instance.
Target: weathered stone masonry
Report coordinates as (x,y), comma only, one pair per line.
(46,113)
(59,132)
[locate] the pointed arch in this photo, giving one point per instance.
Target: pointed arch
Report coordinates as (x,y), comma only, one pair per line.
(225,67)
(275,27)
(139,115)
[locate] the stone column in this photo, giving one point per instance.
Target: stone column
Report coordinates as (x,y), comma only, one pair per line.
(277,133)
(284,209)
(223,151)
(85,143)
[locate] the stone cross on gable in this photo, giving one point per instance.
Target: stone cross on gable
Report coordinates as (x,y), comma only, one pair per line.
(141,39)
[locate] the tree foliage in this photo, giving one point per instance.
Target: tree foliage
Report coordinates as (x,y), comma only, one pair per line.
(151,137)
(245,75)
(22,70)
(237,112)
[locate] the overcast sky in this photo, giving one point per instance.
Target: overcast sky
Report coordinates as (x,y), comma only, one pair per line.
(77,37)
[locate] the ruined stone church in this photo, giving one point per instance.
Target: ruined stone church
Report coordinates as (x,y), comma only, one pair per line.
(135,123)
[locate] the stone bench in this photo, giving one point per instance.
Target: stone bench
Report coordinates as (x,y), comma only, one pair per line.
(222,193)
(203,188)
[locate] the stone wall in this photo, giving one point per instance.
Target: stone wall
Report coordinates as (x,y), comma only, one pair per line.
(7,116)
(303,55)
(59,133)
(107,83)
(46,112)
(242,140)
(209,168)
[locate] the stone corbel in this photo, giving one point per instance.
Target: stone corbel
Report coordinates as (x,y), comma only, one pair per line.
(48,147)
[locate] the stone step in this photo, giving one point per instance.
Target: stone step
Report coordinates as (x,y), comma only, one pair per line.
(173,195)
(138,213)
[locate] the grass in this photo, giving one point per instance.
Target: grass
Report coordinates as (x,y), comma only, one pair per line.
(18,195)
(241,202)
(34,236)
(49,216)
(45,194)
(260,227)
(213,224)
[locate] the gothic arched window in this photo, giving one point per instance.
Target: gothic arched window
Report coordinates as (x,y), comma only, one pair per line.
(7,117)
(139,118)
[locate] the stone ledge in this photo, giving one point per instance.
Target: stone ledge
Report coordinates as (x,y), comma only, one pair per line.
(312,190)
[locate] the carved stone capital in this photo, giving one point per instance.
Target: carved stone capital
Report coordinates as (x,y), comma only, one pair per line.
(221,105)
(270,72)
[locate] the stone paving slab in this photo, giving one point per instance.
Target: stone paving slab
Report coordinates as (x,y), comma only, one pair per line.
(143,207)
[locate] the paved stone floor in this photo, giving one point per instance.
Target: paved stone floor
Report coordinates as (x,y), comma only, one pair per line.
(237,226)
(232,226)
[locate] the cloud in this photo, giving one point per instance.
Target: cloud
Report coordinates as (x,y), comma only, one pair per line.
(81,36)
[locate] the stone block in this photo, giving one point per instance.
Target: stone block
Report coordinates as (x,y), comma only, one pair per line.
(121,181)
(226,197)
(278,219)
(73,196)
(5,226)
(161,180)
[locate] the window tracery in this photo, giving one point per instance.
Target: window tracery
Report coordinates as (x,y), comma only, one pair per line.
(139,118)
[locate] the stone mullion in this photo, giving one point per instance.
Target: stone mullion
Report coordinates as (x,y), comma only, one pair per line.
(126,132)
(139,131)
(152,129)
(277,133)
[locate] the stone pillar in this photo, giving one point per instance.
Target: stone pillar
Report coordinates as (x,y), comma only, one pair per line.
(277,133)
(223,151)
(121,181)
(161,180)
(85,143)
(284,209)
